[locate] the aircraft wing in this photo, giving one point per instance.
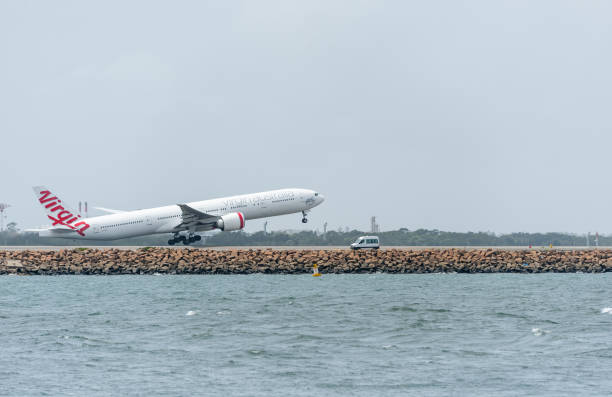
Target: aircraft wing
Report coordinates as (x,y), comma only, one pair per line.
(193,218)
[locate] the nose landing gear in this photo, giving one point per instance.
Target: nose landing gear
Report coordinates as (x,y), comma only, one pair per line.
(304,219)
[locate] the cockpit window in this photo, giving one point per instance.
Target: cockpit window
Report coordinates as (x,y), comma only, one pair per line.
(316,194)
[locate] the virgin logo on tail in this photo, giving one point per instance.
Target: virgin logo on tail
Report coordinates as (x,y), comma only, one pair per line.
(59,214)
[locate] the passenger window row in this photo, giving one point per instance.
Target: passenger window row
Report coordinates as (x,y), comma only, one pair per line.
(168,217)
(122,224)
(278,201)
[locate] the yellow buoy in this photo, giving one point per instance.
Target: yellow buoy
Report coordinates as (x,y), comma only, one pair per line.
(315,271)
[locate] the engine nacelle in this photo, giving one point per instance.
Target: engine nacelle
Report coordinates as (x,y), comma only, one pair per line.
(229,222)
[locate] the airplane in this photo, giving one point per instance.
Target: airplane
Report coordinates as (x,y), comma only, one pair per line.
(182,220)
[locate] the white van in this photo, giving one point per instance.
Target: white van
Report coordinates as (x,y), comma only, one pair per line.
(366,242)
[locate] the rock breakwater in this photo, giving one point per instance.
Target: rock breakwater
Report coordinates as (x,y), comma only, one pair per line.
(246,261)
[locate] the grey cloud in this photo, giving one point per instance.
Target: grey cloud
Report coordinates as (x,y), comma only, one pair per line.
(472,115)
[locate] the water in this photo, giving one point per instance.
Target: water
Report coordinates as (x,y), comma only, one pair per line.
(275,335)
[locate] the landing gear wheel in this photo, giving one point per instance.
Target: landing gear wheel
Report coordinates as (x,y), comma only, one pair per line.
(176,238)
(197,237)
(304,220)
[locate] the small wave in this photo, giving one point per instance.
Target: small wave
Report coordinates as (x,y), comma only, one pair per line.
(606,310)
(222,313)
(191,313)
(511,315)
(403,309)
(420,323)
(304,337)
(539,331)
(474,353)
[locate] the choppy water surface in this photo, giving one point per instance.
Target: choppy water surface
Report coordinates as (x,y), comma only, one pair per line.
(262,335)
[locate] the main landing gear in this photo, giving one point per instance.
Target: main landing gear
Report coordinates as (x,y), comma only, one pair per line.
(304,219)
(178,238)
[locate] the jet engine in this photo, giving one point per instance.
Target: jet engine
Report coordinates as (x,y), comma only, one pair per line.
(229,222)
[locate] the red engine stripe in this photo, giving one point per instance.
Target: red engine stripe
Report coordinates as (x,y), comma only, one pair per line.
(241,220)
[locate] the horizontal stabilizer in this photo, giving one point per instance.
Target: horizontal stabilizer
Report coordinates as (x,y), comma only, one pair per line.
(35,230)
(52,230)
(61,230)
(111,211)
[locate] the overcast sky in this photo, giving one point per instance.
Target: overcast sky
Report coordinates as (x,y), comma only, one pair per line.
(451,115)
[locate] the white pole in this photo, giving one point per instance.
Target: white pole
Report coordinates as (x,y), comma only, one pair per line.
(587,237)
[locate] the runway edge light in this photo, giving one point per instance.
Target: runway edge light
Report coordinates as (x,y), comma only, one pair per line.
(315,271)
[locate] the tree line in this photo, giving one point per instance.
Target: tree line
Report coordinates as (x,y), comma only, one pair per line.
(421,237)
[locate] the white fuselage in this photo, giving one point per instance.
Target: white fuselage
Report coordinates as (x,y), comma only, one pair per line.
(167,219)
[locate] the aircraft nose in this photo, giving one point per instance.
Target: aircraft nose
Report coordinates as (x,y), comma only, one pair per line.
(321,198)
